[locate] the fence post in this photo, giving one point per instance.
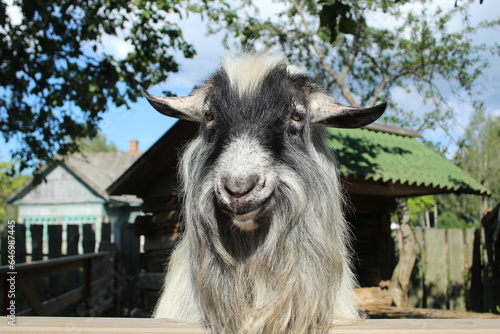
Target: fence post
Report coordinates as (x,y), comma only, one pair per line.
(456,269)
(4,250)
(73,238)
(436,277)
(36,242)
(106,232)
(20,234)
(55,246)
(87,285)
(88,241)
(476,289)
(37,253)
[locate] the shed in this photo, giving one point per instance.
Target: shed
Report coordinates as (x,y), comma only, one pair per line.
(73,192)
(378,164)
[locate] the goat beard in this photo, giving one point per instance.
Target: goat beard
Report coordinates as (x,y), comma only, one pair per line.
(291,275)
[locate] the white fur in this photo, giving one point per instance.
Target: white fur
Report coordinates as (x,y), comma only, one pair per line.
(245,72)
(291,275)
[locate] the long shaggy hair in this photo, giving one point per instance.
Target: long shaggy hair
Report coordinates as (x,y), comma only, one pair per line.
(265,247)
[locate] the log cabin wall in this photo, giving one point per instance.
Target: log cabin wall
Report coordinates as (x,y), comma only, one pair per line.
(160,228)
(370,219)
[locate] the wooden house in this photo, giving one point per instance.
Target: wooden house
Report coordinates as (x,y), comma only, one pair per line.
(73,192)
(378,164)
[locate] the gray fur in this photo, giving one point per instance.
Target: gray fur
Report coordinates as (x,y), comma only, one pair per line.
(275,257)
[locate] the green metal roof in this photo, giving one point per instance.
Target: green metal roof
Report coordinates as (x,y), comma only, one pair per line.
(396,159)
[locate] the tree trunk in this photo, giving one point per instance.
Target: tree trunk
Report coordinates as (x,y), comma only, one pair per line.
(408,253)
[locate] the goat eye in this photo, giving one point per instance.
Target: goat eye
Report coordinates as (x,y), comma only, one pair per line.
(209,116)
(296,117)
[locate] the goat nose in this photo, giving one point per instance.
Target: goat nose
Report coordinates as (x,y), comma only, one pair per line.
(239,187)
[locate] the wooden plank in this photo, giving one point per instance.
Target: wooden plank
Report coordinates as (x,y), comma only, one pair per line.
(469,247)
(476,288)
(456,266)
(393,129)
(30,274)
(88,241)
(37,252)
(20,234)
(487,257)
(55,266)
(55,241)
(436,276)
(142,225)
(4,260)
(129,264)
(29,292)
(57,303)
(36,325)
(156,260)
(148,280)
(36,242)
(72,239)
(159,203)
(106,232)
(55,251)
(161,242)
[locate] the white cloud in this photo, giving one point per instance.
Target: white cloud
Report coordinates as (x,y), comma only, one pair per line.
(209,49)
(115,46)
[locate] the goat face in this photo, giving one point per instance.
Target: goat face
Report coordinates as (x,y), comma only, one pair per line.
(257,114)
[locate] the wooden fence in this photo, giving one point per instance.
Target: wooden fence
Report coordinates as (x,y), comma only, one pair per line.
(52,235)
(99,281)
(95,269)
(449,272)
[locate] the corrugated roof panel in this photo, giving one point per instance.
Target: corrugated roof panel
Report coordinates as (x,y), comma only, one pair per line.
(375,155)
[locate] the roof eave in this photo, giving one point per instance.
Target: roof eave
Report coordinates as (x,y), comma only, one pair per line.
(393,129)
(362,186)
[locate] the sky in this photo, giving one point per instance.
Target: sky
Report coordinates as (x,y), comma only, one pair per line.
(141,122)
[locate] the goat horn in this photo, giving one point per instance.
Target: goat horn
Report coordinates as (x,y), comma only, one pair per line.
(178,107)
(341,116)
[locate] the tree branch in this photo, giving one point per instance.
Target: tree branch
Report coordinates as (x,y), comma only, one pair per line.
(339,79)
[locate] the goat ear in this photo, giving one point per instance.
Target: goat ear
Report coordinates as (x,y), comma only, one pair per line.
(178,107)
(339,116)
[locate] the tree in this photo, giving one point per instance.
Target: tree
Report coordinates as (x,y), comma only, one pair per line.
(409,254)
(8,184)
(349,48)
(478,150)
(99,143)
(421,209)
(56,79)
(478,155)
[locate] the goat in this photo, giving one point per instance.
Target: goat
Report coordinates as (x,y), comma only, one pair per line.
(265,247)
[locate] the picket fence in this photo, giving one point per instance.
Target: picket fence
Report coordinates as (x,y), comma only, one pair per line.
(89,266)
(449,272)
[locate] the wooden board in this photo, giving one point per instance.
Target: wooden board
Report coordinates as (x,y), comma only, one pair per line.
(45,325)
(436,276)
(456,265)
(37,242)
(20,236)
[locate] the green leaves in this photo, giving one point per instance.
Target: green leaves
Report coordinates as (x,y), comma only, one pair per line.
(57,80)
(337,18)
(8,184)
(366,51)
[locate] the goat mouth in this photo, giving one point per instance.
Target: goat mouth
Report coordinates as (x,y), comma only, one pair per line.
(247,216)
(247,212)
